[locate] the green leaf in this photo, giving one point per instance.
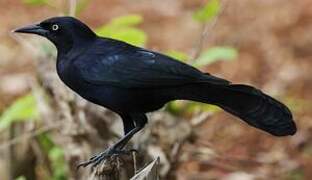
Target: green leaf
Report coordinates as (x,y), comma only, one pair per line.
(185,108)
(128,20)
(296,174)
(196,106)
(35,2)
(46,142)
(215,54)
(178,55)
(21,178)
(24,108)
(58,163)
(82,4)
(128,34)
(56,157)
(122,28)
(208,12)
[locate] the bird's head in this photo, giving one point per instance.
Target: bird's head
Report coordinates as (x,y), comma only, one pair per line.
(64,31)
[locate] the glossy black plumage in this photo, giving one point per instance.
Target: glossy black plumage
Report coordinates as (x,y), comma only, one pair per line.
(132,81)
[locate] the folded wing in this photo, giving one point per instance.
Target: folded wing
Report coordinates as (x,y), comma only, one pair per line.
(133,67)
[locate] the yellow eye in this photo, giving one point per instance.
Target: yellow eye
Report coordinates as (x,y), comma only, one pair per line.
(55,27)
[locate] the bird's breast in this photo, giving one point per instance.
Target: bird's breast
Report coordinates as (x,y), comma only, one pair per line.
(68,74)
(73,79)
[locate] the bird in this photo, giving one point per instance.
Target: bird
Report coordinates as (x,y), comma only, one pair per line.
(132,81)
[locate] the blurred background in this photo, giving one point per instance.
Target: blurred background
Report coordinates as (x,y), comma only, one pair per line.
(45,129)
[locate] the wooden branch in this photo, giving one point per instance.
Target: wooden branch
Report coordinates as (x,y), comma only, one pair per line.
(150,172)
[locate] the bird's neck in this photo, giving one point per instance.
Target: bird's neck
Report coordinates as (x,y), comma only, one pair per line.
(76,47)
(64,48)
(75,42)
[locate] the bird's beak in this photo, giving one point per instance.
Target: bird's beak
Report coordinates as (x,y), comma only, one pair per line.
(32,29)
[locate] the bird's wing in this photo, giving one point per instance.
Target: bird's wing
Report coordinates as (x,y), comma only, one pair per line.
(139,68)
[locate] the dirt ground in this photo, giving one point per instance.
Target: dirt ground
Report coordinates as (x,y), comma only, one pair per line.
(274,41)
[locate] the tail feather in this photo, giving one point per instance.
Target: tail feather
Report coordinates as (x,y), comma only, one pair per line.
(251,105)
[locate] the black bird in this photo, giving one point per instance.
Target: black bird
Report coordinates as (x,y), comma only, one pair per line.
(132,81)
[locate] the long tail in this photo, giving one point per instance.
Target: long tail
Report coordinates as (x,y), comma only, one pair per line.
(248,103)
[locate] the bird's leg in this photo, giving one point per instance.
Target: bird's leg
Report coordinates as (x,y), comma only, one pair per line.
(116,149)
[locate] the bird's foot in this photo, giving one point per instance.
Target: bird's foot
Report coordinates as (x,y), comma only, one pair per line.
(110,152)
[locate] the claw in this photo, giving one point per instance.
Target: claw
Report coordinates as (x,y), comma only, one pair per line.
(93,160)
(83,164)
(97,159)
